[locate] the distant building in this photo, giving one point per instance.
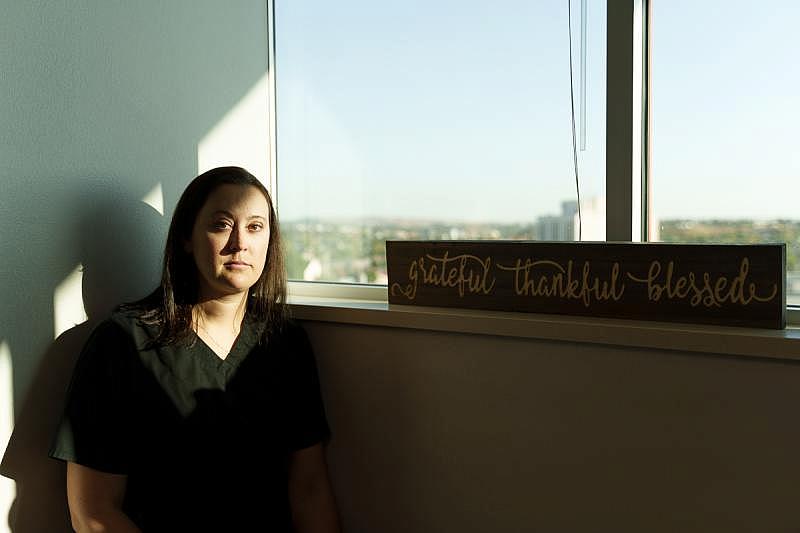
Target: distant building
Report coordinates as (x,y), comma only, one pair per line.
(558,227)
(564,227)
(593,215)
(313,270)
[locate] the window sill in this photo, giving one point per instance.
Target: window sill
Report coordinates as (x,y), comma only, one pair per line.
(760,343)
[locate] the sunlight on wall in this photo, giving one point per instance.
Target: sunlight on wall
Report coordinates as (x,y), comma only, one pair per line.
(155,199)
(241,138)
(7,486)
(68,302)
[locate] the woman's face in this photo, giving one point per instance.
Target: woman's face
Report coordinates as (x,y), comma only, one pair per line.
(230,240)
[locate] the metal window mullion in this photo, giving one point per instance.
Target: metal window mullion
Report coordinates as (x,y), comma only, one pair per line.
(625,157)
(272,149)
(648,229)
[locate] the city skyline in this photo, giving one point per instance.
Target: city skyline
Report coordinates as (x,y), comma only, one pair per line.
(354,252)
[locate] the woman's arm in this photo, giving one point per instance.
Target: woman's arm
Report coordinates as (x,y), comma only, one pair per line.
(310,492)
(95,501)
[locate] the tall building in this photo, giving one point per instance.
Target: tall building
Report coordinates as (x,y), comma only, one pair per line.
(565,227)
(559,227)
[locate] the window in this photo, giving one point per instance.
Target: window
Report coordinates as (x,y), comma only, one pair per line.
(445,120)
(434,120)
(725,166)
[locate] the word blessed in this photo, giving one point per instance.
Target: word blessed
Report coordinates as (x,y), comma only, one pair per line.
(709,293)
(545,278)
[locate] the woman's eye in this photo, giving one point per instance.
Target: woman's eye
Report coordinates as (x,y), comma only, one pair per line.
(256,227)
(220,225)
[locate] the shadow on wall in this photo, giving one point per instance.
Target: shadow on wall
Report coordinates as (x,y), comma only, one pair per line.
(120,261)
(101,102)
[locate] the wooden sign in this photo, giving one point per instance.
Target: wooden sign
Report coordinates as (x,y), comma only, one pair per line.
(733,285)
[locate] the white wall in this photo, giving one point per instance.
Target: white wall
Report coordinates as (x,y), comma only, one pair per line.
(101,103)
(439,432)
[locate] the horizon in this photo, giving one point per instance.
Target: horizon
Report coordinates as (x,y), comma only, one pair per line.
(429,220)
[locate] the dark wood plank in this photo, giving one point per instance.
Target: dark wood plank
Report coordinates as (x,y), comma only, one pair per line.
(733,285)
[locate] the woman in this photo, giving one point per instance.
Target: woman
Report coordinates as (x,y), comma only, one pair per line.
(198,408)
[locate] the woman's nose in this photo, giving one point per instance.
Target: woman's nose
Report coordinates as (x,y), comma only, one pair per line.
(237,241)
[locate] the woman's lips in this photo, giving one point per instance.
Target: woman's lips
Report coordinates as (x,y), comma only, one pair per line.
(237,265)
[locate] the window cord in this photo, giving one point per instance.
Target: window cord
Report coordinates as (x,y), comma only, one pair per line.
(572,107)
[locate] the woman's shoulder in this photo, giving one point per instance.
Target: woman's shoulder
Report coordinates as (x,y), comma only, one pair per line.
(126,323)
(284,329)
(126,317)
(293,327)
(285,338)
(109,340)
(292,332)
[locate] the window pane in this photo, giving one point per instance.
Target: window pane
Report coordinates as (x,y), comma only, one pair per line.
(725,165)
(432,120)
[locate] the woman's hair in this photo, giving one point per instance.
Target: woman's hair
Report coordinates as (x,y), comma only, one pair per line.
(170,306)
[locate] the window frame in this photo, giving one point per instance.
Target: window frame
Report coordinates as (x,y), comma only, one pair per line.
(626,141)
(628,127)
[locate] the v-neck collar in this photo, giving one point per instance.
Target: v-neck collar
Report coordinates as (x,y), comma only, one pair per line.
(207,347)
(244,343)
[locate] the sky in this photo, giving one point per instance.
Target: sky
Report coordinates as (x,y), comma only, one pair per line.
(725,109)
(461,110)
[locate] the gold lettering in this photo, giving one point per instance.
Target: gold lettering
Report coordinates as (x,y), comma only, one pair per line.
(719,286)
(410,290)
(709,293)
(470,274)
(654,290)
(586,288)
(616,292)
(465,272)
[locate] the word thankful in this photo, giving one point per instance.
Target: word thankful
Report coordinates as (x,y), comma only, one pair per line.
(545,278)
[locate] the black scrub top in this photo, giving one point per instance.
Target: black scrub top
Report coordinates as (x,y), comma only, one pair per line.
(204,441)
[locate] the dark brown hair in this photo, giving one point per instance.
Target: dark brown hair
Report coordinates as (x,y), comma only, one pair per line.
(170,306)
